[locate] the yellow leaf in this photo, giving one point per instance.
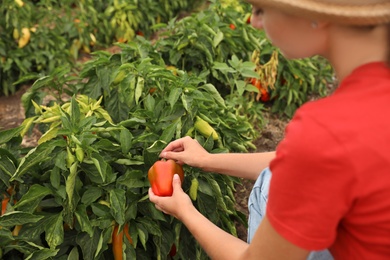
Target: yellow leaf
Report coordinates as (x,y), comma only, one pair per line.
(27,123)
(50,134)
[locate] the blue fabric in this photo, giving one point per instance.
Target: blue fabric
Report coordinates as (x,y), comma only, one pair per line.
(257,206)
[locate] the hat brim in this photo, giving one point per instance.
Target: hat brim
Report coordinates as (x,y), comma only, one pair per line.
(369,14)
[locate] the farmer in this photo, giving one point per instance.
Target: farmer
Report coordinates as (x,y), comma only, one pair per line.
(330,185)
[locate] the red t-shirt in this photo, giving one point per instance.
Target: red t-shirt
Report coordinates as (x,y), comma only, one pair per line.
(330,184)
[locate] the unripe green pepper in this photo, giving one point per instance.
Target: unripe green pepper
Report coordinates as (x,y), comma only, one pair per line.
(70,159)
(119,77)
(160,176)
(194,189)
(205,128)
(79,153)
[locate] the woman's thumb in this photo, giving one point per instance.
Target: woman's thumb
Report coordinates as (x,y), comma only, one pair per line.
(176,180)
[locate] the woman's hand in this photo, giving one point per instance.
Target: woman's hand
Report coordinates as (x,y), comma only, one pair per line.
(186,151)
(176,205)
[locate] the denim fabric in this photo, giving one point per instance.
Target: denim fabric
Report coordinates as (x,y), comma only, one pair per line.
(257,206)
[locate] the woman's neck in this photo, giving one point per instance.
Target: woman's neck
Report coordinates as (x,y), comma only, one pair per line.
(349,47)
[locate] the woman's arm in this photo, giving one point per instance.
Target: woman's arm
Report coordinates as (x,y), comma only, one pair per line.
(245,165)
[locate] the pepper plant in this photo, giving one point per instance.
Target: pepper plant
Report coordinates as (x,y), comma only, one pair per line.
(89,170)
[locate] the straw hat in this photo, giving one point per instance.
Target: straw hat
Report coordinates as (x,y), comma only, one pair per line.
(354,12)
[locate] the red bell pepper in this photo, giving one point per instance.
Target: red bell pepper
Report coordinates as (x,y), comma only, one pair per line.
(160,176)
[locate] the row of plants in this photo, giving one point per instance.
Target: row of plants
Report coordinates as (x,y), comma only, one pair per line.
(221,42)
(88,172)
(81,192)
(37,36)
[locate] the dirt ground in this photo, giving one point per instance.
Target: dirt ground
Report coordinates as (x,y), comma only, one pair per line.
(12,115)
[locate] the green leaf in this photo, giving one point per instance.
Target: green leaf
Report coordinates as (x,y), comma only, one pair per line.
(187,102)
(99,247)
(209,143)
(155,213)
(74,114)
(205,188)
(7,166)
(251,88)
(151,154)
(6,237)
(44,253)
(96,161)
(37,155)
(87,244)
(149,103)
(70,186)
(215,94)
(240,86)
(174,96)
(74,254)
(54,230)
(248,66)
(125,140)
(131,211)
(169,132)
(5,154)
(55,177)
(218,195)
(139,89)
(223,67)
(49,134)
(157,146)
(150,225)
(118,204)
(142,234)
(7,135)
(83,220)
(42,82)
(129,162)
(32,198)
(91,195)
(132,179)
(28,77)
(234,62)
(249,74)
(218,38)
(102,211)
(27,123)
(132,122)
(18,218)
(66,121)
(228,223)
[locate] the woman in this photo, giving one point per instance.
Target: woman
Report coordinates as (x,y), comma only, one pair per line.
(330,186)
